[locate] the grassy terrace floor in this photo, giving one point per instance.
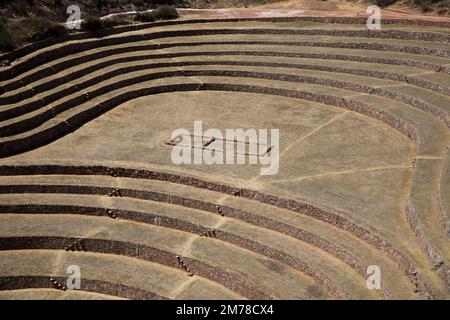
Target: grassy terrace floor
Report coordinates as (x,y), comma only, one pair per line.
(364,136)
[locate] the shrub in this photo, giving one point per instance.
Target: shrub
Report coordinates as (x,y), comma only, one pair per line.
(160,13)
(165,13)
(18,32)
(95,23)
(145,17)
(138,3)
(384,3)
(426,2)
(424,5)
(92,24)
(52,30)
(37,28)
(20,8)
(114,21)
(6,40)
(425,8)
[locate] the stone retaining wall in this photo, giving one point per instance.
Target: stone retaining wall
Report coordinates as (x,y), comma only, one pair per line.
(138,251)
(72,48)
(29,93)
(247,217)
(12,147)
(97,286)
(19,53)
(438,261)
(166,222)
(294,205)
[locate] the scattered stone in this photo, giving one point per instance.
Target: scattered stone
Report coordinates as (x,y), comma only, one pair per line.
(115,193)
(209,233)
(238,192)
(437,265)
(111,213)
(75,246)
(183,265)
(57,285)
(112,172)
(157,221)
(219,210)
(68,125)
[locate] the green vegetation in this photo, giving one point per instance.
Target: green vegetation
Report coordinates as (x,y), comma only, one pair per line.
(145,17)
(25,21)
(440,7)
(160,13)
(165,13)
(384,3)
(94,23)
(40,28)
(25,25)
(429,5)
(18,32)
(6,41)
(116,21)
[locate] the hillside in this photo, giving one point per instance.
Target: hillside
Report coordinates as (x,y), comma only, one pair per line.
(26,21)
(277,152)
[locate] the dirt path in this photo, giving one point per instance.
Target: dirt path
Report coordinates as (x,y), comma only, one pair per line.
(267,12)
(298,8)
